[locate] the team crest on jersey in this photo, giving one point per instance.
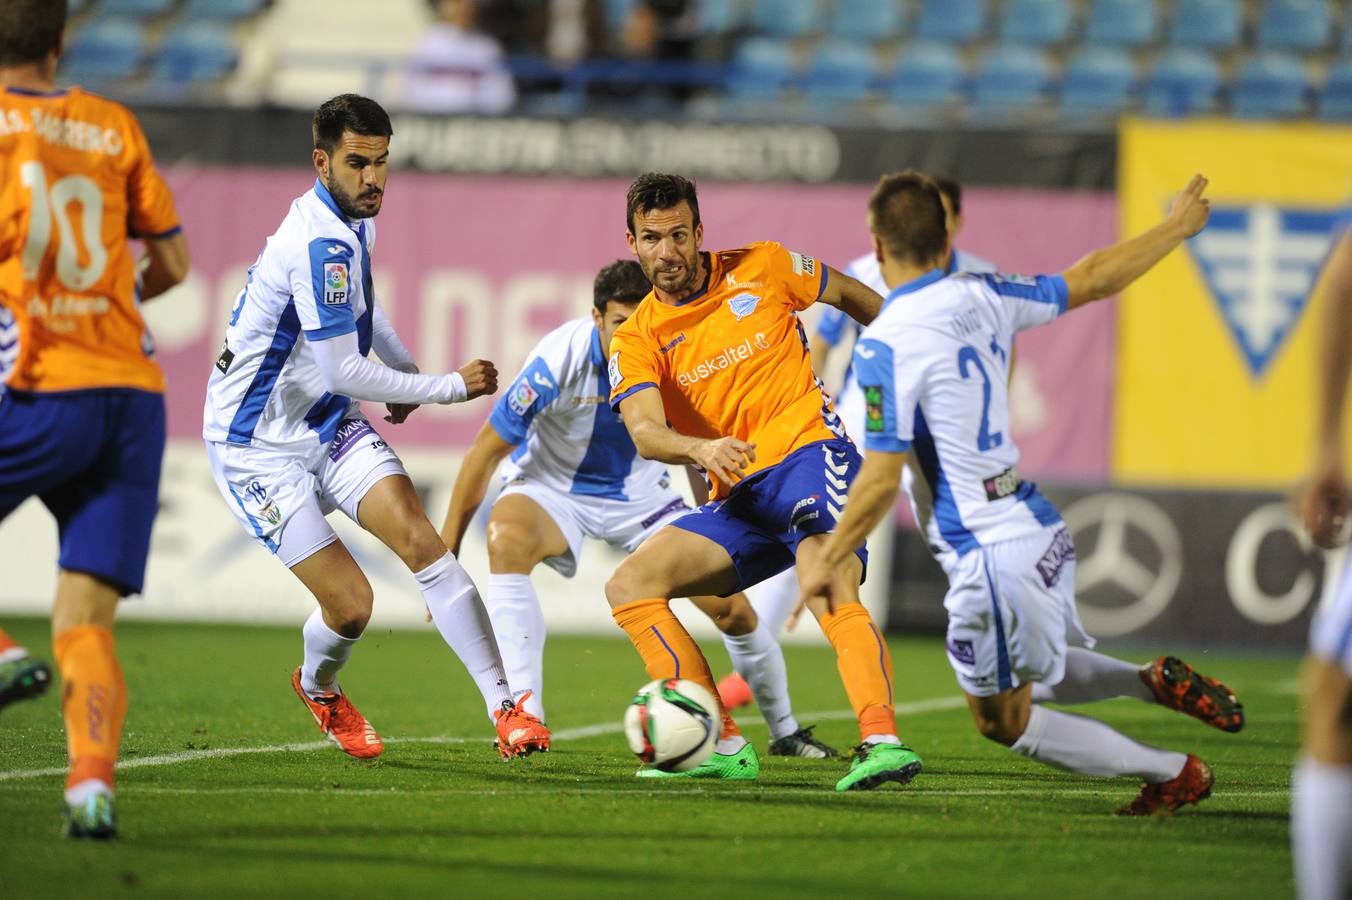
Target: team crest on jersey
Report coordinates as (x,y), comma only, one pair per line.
(270,513)
(613,370)
(335,283)
(873,408)
(803,265)
(521,397)
(743,305)
(1260,263)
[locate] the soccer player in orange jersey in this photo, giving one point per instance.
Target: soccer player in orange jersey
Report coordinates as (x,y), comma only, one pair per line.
(82,409)
(713,371)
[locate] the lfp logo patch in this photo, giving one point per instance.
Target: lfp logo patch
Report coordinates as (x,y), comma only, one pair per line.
(1260,263)
(335,282)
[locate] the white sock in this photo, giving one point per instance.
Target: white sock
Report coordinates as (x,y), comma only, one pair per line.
(455,605)
(326,651)
(12,654)
(519,625)
(1321,830)
(1092,676)
(774,600)
(77,794)
(729,746)
(757,657)
(882,739)
(1090,747)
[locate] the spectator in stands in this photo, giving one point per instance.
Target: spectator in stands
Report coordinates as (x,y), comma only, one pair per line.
(663,31)
(458,68)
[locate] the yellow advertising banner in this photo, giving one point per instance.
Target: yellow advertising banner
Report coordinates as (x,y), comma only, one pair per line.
(1215,365)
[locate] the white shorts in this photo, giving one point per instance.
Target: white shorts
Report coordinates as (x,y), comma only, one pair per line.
(1011,612)
(1331,629)
(281,497)
(624,524)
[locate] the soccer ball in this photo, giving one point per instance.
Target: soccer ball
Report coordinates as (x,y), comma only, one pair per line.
(672,724)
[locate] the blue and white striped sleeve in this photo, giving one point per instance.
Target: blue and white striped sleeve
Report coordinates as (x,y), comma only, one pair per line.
(1030,301)
(831,325)
(532,392)
(891,390)
(321,288)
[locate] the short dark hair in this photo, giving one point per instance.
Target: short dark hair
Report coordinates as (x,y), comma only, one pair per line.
(950,188)
(907,214)
(30,29)
(655,190)
(348,112)
(622,281)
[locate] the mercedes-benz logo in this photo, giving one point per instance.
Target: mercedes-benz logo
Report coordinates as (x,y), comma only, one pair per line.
(1130,561)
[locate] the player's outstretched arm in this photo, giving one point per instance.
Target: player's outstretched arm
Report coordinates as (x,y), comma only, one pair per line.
(724,458)
(1106,272)
(164,265)
(1324,501)
(851,296)
(471,484)
(345,371)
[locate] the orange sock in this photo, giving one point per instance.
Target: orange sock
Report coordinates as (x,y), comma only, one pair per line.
(667,649)
(93,701)
(8,643)
(865,667)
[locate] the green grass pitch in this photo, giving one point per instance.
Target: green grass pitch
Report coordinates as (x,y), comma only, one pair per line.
(439,814)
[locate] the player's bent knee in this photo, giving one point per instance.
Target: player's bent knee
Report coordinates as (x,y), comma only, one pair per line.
(512,549)
(624,586)
(1003,726)
(739,619)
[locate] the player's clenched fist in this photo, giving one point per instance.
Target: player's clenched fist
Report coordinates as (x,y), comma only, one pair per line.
(481,377)
(1190,209)
(1323,504)
(726,458)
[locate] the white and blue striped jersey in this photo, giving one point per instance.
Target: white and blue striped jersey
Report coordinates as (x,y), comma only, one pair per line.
(311,282)
(567,436)
(934,369)
(835,326)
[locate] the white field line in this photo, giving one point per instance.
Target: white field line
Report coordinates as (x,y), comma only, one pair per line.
(564,734)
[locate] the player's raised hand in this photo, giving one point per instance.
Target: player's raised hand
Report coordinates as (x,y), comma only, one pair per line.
(1322,505)
(481,378)
(1190,209)
(726,458)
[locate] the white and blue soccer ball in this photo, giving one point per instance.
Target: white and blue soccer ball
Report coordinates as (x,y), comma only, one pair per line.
(672,724)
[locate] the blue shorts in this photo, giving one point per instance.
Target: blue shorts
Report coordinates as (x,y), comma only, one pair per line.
(761,522)
(93,458)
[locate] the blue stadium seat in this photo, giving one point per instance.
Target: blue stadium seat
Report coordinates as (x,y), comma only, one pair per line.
(951,20)
(1035,22)
(1182,83)
(1213,24)
(135,9)
(838,72)
(224,10)
(1270,86)
(1335,100)
(1294,25)
(784,18)
(926,75)
(1009,80)
(761,69)
(195,53)
(1347,34)
(1097,80)
(1121,23)
(104,50)
(868,20)
(720,16)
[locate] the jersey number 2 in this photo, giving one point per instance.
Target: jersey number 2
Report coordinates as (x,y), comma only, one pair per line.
(985,439)
(53,205)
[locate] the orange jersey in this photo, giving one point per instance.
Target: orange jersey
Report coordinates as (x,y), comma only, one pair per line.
(732,360)
(76,181)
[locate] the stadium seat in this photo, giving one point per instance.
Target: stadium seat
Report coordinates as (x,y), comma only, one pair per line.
(951,20)
(926,75)
(720,16)
(1121,23)
(195,53)
(838,72)
(223,10)
(1097,80)
(1270,86)
(868,20)
(1035,23)
(784,18)
(1213,24)
(1294,25)
(1009,80)
(761,69)
(1182,83)
(135,9)
(105,50)
(1335,100)
(1347,34)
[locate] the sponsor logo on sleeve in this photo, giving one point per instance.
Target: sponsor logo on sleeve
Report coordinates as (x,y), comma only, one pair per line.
(962,651)
(335,283)
(225,359)
(803,265)
(1054,560)
(614,370)
(873,408)
(521,397)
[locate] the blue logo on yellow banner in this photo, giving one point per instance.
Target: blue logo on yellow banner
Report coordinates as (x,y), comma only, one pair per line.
(1260,263)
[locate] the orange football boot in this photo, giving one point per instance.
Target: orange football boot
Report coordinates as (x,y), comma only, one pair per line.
(519,732)
(1192,785)
(1177,686)
(734,692)
(340,722)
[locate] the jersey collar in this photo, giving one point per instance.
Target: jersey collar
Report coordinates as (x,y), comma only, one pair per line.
(327,199)
(25,92)
(598,355)
(911,287)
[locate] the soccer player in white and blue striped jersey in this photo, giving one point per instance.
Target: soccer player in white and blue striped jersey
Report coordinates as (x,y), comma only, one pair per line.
(570,471)
(933,368)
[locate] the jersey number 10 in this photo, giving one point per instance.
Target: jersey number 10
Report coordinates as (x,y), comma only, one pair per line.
(52,205)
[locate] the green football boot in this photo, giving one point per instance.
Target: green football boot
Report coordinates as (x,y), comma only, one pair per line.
(743,765)
(875,764)
(23,678)
(93,819)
